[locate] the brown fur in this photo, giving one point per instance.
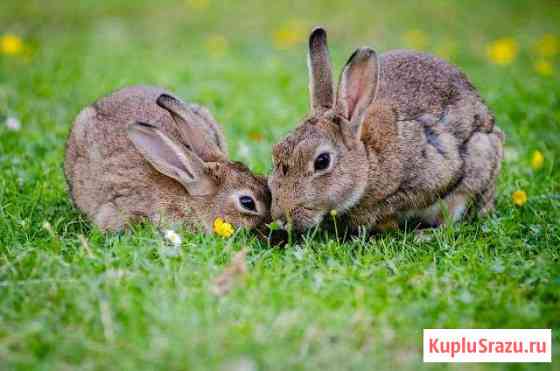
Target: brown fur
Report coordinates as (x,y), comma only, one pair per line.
(114,184)
(406,130)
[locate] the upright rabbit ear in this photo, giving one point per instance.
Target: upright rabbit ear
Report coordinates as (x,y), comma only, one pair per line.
(358,84)
(201,137)
(171,160)
(321,89)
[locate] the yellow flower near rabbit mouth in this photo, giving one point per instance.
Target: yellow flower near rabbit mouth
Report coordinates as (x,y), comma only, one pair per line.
(519,198)
(222,228)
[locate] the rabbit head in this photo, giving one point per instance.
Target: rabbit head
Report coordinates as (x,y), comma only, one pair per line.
(323,164)
(214,187)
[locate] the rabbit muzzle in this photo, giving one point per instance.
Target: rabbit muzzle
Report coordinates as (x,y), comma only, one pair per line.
(298,219)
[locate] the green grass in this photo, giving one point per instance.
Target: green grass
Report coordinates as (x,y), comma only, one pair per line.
(128,304)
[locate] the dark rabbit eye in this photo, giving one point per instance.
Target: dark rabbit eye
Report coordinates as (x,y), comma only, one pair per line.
(322,161)
(248,203)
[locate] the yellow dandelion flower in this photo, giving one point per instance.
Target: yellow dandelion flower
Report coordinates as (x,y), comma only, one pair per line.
(333,213)
(502,51)
(198,4)
(544,67)
(415,39)
(547,46)
(289,34)
(519,198)
(222,228)
(11,44)
(537,160)
(216,45)
(256,136)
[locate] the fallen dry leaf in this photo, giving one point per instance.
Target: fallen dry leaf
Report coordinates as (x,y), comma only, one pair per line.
(232,274)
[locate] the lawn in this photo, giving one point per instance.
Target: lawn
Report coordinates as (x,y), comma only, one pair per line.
(74,298)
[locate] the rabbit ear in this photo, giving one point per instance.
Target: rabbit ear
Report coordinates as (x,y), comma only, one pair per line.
(171,160)
(378,129)
(321,89)
(358,84)
(201,137)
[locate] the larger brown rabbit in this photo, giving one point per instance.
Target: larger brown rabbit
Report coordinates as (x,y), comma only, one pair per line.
(406,136)
(141,153)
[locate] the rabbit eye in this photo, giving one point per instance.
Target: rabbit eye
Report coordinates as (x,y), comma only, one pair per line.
(322,161)
(248,203)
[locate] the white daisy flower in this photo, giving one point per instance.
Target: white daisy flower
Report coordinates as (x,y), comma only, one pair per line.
(173,237)
(13,124)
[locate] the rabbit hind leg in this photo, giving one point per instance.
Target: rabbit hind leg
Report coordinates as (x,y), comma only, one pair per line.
(483,157)
(448,210)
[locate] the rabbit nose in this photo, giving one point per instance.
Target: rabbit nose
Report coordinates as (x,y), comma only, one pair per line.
(282,215)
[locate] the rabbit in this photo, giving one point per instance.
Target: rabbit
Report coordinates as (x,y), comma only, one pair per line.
(141,153)
(406,137)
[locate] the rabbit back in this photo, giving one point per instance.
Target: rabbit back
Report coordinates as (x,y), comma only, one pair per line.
(425,88)
(108,178)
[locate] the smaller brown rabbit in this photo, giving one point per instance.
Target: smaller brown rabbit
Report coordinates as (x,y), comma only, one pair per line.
(406,136)
(142,153)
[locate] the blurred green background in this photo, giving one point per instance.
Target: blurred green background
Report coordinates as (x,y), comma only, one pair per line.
(124,304)
(247,60)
